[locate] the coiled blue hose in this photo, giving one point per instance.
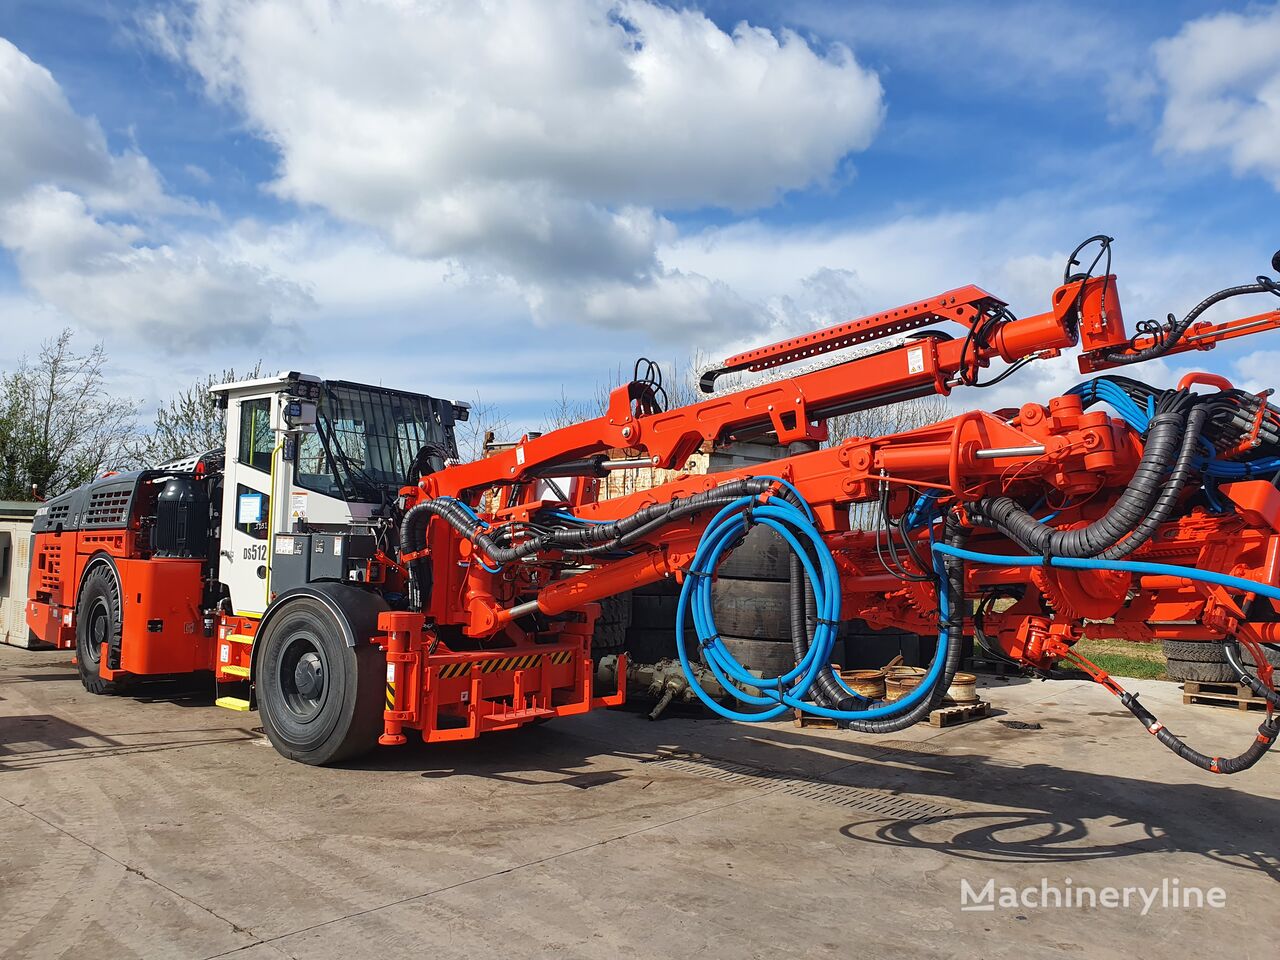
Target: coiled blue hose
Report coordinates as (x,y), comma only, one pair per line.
(795,524)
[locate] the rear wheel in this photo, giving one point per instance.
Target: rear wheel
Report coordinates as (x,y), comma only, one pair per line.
(320,700)
(98,621)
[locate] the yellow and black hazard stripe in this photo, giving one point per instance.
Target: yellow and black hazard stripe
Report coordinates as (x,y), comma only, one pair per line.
(455,670)
(562,656)
(510,663)
(391,695)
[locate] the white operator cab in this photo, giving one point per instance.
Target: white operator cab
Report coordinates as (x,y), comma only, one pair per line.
(311,465)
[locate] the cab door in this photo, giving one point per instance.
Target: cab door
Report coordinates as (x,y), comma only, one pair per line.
(247,515)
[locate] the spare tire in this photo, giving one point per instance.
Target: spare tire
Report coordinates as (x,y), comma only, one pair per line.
(762,555)
(1199,651)
(760,609)
(769,658)
(649,646)
(1199,671)
(611,628)
(654,612)
(1270,650)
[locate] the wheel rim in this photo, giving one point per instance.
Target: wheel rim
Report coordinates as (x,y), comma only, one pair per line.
(303,676)
(99,630)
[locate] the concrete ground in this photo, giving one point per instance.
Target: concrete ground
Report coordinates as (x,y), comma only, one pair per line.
(164,827)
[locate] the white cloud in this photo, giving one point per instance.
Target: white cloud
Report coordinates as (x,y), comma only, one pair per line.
(175,296)
(42,140)
(1015,249)
(534,140)
(59,184)
(1221,79)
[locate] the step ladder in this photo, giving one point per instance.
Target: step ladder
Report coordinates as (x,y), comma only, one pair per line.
(229,702)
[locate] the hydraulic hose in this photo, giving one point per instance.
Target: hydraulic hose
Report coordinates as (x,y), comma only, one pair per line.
(950,640)
(1126,566)
(1256,750)
(1184,468)
(1130,508)
(827,690)
(776,695)
(586,539)
(1178,328)
(1260,689)
(1267,731)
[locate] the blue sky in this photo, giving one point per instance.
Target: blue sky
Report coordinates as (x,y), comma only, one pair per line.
(512,200)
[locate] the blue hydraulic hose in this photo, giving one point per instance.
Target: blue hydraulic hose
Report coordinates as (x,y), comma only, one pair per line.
(1140,419)
(1125,566)
(778,694)
(808,511)
(561,515)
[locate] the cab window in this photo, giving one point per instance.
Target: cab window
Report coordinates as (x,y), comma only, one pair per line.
(255,434)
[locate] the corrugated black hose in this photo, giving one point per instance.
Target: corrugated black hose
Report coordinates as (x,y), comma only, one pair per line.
(831,695)
(1255,684)
(1267,732)
(1183,471)
(827,691)
(575,541)
(1178,328)
(1135,503)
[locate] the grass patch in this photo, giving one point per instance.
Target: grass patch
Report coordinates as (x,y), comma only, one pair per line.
(1145,661)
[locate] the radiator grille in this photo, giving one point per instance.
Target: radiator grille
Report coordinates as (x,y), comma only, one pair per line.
(108,508)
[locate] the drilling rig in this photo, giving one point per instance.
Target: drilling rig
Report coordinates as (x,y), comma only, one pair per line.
(336,566)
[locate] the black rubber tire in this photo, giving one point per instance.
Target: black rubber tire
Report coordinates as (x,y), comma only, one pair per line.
(1199,651)
(98,621)
(650,646)
(610,634)
(607,639)
(1200,671)
(867,648)
(654,612)
(763,555)
(1270,650)
(743,608)
(666,587)
(759,609)
(616,610)
(340,719)
(770,657)
(766,657)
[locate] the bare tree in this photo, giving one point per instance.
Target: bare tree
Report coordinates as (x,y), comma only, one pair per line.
(893,418)
(567,411)
(190,422)
(483,421)
(679,384)
(59,427)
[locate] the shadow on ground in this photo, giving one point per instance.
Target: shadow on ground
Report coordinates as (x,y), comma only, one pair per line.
(1000,811)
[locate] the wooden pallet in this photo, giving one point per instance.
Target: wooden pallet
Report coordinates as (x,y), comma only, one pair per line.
(818,723)
(960,713)
(1221,695)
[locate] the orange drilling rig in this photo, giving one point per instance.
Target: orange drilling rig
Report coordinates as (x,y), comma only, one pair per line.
(338,568)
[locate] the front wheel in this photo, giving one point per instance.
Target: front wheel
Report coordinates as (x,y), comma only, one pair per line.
(320,700)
